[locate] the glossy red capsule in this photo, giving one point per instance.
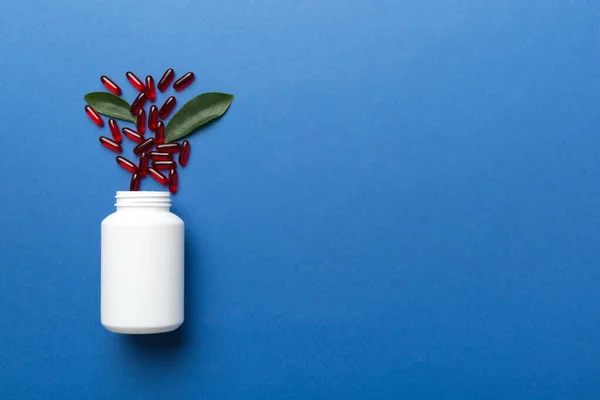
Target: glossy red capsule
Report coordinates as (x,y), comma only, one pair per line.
(125,163)
(184,81)
(166,80)
(135,81)
(184,153)
(166,108)
(140,122)
(150,88)
(159,134)
(138,103)
(143,168)
(114,130)
(110,144)
(158,165)
(168,147)
(110,85)
(153,118)
(134,186)
(144,146)
(160,178)
(133,135)
(159,156)
(94,116)
(173,181)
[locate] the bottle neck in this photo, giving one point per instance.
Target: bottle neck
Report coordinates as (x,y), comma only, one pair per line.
(143,201)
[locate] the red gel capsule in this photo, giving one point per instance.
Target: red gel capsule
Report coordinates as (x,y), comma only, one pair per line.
(159,156)
(168,147)
(150,89)
(135,81)
(110,144)
(153,118)
(140,122)
(159,134)
(142,147)
(138,103)
(166,80)
(166,108)
(184,153)
(134,186)
(173,181)
(114,130)
(184,81)
(110,85)
(143,168)
(158,165)
(94,116)
(125,163)
(160,178)
(133,135)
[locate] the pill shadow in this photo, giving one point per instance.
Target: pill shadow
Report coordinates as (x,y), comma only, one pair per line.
(165,344)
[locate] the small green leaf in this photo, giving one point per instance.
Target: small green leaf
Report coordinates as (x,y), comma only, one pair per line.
(109,104)
(196,112)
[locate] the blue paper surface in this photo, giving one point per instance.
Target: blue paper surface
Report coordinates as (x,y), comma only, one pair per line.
(403,201)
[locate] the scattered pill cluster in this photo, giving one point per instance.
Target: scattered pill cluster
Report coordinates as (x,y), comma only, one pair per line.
(154,154)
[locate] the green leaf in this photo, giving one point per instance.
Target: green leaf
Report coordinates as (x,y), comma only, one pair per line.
(196,112)
(109,104)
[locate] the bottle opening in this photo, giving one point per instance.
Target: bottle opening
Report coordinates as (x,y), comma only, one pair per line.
(143,199)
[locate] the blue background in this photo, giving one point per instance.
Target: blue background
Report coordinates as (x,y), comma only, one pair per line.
(402,202)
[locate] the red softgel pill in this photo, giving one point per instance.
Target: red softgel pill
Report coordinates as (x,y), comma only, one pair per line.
(184,81)
(133,135)
(134,186)
(159,156)
(138,103)
(184,153)
(144,146)
(110,144)
(114,130)
(168,147)
(110,85)
(94,116)
(159,134)
(173,181)
(160,178)
(153,118)
(150,89)
(143,168)
(135,81)
(166,80)
(159,165)
(140,122)
(167,107)
(127,164)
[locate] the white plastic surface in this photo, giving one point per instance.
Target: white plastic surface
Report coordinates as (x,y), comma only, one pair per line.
(142,262)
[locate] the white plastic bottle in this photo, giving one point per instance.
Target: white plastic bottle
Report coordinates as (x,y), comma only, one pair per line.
(142,265)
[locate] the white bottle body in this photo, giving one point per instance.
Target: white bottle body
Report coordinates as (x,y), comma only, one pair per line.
(142,265)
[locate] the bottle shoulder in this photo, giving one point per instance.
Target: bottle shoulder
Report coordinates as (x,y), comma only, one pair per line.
(142,217)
